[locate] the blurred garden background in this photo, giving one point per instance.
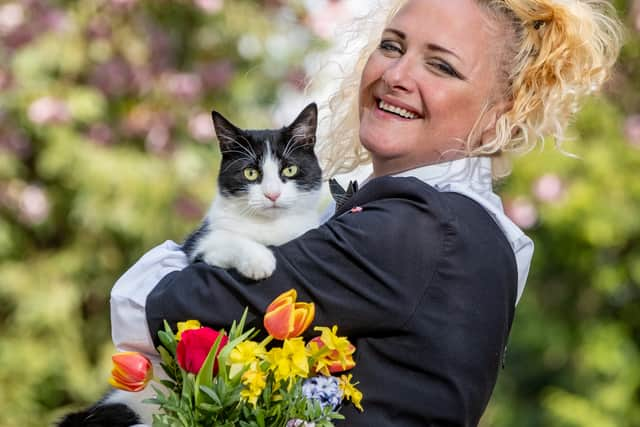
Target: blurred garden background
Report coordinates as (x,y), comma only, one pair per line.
(107,149)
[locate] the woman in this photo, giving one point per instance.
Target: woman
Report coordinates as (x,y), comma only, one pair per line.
(425,274)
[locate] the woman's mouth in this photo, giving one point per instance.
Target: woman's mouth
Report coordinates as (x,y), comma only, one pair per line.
(398,111)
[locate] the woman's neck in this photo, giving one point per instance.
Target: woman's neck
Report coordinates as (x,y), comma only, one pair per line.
(394,166)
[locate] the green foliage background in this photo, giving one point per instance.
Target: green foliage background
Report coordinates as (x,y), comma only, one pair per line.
(104,154)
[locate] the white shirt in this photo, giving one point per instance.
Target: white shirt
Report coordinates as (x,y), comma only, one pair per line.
(470,177)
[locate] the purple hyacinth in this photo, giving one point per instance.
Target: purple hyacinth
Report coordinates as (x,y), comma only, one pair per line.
(300,423)
(326,390)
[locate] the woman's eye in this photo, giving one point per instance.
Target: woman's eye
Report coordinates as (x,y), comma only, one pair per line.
(290,171)
(251,174)
(445,68)
(390,46)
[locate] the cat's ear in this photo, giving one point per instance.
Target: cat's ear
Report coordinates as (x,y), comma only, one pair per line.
(226,132)
(304,126)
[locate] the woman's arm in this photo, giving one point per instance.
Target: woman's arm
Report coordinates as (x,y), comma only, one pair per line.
(128,297)
(365,270)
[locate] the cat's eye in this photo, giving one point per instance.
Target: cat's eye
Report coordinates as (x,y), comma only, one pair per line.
(290,171)
(251,174)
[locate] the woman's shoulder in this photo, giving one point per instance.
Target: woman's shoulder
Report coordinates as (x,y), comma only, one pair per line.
(411,203)
(410,194)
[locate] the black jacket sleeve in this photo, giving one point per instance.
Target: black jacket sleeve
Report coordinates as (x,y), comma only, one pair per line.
(418,280)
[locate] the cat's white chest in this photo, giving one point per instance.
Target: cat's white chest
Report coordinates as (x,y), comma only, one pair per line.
(271,232)
(240,241)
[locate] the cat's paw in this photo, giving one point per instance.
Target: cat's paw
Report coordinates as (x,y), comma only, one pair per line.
(258,263)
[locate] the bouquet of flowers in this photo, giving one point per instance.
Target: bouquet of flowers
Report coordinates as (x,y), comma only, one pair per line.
(217,378)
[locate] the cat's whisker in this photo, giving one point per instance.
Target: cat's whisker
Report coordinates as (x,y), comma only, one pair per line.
(233,162)
(248,147)
(287,147)
(245,149)
(294,143)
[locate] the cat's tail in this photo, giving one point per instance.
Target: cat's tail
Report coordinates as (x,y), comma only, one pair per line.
(102,415)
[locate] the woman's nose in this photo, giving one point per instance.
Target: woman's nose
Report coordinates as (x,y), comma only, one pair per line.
(398,75)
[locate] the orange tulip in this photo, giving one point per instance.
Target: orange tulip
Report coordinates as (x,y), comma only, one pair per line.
(286,318)
(131,371)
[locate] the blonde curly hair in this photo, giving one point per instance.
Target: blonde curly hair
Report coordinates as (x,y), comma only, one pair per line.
(556,53)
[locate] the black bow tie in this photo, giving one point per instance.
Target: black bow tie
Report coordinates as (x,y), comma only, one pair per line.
(339,194)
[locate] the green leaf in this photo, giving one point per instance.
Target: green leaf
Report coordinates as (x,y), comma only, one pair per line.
(212,394)
(168,338)
(237,329)
(187,386)
(205,376)
(210,408)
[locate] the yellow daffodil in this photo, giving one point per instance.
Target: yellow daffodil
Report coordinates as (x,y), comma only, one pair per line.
(331,353)
(350,392)
(185,326)
(247,353)
(255,381)
(290,361)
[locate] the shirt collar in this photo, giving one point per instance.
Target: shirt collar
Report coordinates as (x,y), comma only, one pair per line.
(471,172)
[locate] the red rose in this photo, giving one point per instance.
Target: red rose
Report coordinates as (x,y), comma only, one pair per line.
(194,346)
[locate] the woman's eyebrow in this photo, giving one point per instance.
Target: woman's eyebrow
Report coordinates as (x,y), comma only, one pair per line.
(430,46)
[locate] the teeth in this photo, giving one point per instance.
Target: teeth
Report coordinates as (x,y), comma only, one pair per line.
(396,110)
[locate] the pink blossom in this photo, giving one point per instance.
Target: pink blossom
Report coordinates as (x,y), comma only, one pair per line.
(11,17)
(21,36)
(101,134)
(158,139)
(632,130)
(98,28)
(48,110)
(34,205)
(162,55)
(215,75)
(325,19)
(16,142)
(210,6)
(201,127)
(549,188)
(186,86)
(124,4)
(114,77)
(54,20)
(522,212)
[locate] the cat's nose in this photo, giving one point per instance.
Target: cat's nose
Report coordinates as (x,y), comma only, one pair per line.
(272,196)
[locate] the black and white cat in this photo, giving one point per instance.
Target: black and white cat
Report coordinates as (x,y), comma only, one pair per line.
(269,186)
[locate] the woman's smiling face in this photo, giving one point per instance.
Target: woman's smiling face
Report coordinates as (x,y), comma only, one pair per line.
(424,88)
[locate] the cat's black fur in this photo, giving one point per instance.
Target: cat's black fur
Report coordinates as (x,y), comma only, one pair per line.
(110,415)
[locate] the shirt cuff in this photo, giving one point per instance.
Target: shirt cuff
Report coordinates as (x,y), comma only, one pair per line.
(129,329)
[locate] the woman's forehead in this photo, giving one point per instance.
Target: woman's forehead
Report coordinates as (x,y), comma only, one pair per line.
(461,22)
(461,26)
